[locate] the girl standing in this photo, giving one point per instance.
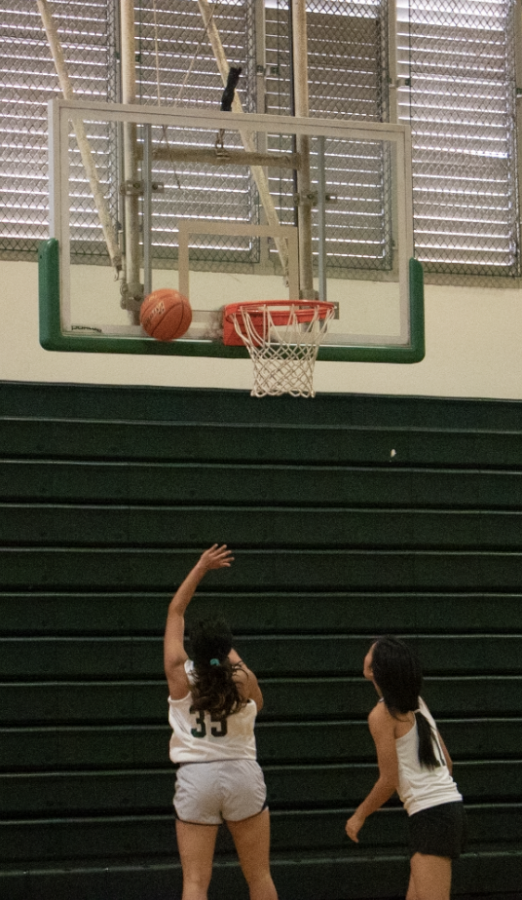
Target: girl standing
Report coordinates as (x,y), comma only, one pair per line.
(413,760)
(213,703)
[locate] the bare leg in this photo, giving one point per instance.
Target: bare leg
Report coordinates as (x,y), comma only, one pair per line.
(252,839)
(411,893)
(430,877)
(196,849)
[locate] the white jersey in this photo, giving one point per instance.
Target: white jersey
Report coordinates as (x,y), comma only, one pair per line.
(198,738)
(420,787)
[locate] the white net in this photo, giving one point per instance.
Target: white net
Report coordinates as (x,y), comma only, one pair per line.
(282,340)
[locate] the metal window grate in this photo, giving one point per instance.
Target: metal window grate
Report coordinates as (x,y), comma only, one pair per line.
(348,78)
(189,76)
(28,81)
(460,59)
(457,62)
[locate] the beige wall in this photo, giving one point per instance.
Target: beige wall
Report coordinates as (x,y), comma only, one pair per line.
(473,341)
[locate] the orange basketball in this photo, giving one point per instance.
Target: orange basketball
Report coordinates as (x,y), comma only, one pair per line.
(165,314)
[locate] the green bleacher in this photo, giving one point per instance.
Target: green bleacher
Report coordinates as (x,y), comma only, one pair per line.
(349,516)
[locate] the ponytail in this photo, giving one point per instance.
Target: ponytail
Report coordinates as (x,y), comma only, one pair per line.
(427,756)
(214,689)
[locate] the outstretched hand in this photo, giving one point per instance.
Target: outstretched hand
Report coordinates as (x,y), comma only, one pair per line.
(216,557)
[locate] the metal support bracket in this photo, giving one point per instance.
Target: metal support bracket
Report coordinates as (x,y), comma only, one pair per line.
(132,189)
(131,296)
(312,199)
(267,70)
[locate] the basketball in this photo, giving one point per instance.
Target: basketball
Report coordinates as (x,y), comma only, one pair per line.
(165,314)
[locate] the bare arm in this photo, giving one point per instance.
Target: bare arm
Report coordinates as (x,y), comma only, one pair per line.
(382,732)
(247,681)
(174,655)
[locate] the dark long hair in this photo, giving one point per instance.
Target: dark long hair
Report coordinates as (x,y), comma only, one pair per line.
(214,689)
(398,675)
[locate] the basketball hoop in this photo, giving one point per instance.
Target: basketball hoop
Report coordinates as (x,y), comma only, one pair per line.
(282,338)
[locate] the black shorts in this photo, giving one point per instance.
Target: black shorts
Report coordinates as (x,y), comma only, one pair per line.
(439,830)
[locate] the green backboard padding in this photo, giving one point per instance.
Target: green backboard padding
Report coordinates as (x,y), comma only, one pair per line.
(53,338)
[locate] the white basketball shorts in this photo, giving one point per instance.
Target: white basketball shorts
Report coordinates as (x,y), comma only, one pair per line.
(209,793)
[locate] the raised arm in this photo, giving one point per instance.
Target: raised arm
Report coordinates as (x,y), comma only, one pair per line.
(174,655)
(382,732)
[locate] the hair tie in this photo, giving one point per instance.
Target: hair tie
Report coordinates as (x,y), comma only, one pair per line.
(214,662)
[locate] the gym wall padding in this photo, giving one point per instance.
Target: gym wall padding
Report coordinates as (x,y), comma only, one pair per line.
(349,516)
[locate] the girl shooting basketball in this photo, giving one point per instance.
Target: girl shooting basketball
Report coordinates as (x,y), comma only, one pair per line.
(413,761)
(213,703)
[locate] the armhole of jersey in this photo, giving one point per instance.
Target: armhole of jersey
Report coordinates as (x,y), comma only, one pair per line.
(423,707)
(179,699)
(188,665)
